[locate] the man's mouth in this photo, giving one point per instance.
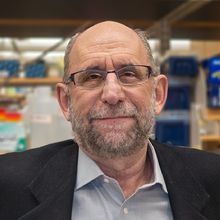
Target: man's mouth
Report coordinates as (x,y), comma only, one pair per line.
(113,120)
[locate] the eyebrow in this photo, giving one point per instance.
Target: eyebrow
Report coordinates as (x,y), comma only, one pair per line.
(124,65)
(95,67)
(118,66)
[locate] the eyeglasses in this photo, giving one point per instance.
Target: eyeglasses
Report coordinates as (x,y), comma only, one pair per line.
(129,75)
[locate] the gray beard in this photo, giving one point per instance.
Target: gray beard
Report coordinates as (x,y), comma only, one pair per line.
(117,142)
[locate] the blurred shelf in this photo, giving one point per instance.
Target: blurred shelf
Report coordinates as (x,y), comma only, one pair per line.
(12,98)
(3,152)
(29,81)
(6,100)
(212,114)
(210,138)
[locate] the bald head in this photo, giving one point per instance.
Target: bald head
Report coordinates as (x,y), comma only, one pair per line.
(106,37)
(107,31)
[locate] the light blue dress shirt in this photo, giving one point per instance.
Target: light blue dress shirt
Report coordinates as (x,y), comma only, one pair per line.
(99,197)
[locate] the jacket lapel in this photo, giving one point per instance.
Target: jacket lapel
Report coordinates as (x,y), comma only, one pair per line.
(53,188)
(187,196)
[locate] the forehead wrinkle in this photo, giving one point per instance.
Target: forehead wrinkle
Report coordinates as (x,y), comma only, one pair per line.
(100,60)
(105,49)
(98,53)
(95,48)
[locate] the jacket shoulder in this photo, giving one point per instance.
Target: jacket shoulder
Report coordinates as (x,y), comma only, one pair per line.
(25,165)
(18,172)
(203,164)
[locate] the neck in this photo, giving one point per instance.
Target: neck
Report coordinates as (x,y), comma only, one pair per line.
(131,172)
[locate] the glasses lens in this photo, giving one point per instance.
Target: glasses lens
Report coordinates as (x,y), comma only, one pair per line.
(128,75)
(131,75)
(88,78)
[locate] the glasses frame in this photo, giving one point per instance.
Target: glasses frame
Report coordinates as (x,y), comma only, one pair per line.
(104,73)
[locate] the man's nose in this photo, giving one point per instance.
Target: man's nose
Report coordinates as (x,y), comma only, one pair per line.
(112,90)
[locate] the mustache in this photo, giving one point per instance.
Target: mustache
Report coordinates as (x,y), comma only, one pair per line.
(110,111)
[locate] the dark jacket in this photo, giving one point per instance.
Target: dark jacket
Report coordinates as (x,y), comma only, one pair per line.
(38,184)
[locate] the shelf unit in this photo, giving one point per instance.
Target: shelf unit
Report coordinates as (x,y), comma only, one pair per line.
(211,114)
(29,81)
(20,99)
(205,121)
(15,98)
(211,141)
(210,138)
(12,98)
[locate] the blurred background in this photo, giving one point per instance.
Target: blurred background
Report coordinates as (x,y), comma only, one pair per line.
(185,40)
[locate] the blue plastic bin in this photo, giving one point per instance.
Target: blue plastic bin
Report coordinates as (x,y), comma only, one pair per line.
(180,66)
(173,132)
(178,98)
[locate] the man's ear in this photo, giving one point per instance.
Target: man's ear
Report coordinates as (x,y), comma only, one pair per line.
(63,99)
(160,92)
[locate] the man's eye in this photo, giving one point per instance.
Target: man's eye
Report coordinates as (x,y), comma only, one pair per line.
(128,74)
(93,76)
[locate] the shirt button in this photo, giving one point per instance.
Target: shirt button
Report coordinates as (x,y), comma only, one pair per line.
(125,210)
(106,180)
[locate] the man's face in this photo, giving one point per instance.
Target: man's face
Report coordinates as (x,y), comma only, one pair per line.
(112,120)
(110,131)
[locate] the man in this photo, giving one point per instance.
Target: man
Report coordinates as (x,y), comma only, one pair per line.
(111,93)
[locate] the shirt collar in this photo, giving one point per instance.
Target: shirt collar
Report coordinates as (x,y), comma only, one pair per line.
(88,170)
(157,173)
